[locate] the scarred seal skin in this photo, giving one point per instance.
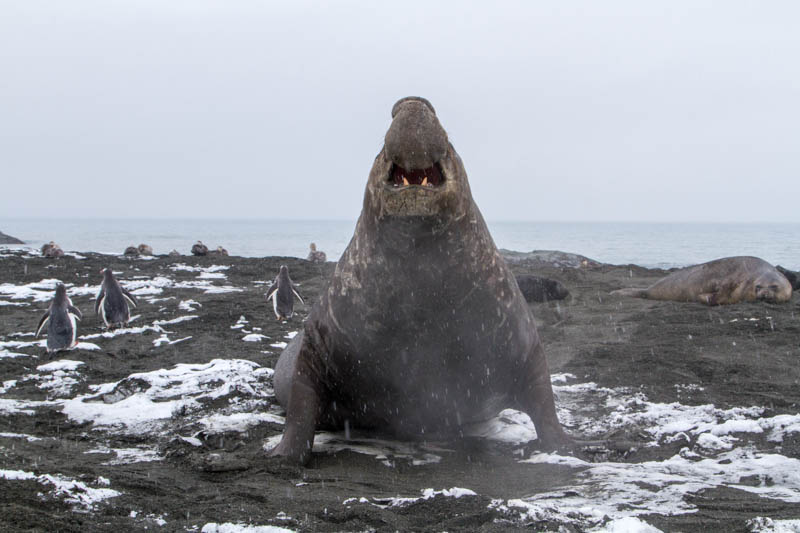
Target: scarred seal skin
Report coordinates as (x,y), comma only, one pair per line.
(422,327)
(723,281)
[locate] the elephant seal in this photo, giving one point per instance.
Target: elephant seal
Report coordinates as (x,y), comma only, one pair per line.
(790,275)
(199,249)
(536,289)
(61,320)
(316,256)
(282,293)
(723,281)
(219,252)
(131,251)
(113,301)
(422,327)
(52,250)
(145,249)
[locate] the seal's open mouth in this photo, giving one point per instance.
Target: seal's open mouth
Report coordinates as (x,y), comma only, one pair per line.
(426,177)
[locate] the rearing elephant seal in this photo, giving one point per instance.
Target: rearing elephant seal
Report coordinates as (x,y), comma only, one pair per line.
(422,327)
(723,281)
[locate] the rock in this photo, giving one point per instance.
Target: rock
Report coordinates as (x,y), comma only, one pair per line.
(8,239)
(537,289)
(174,253)
(549,258)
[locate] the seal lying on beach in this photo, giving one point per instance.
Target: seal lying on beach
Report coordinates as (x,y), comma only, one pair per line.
(790,275)
(538,289)
(422,328)
(199,249)
(51,250)
(316,256)
(723,281)
(61,320)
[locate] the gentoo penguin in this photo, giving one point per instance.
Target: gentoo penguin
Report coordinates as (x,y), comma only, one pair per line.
(61,319)
(282,293)
(113,301)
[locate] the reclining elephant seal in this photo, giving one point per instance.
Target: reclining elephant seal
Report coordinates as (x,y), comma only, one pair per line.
(790,275)
(422,327)
(723,281)
(538,289)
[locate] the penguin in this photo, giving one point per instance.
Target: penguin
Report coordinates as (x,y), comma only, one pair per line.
(113,301)
(282,293)
(61,319)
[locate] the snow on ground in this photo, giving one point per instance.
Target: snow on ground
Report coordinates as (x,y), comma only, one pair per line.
(77,493)
(229,527)
(142,400)
(126,456)
(56,378)
(427,494)
(608,496)
(762,524)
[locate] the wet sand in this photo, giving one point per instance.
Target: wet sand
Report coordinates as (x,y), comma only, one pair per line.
(711,396)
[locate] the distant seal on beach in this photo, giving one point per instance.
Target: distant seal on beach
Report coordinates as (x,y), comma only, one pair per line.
(61,320)
(723,281)
(113,301)
(316,256)
(174,253)
(145,249)
(538,289)
(422,328)
(282,293)
(131,251)
(219,252)
(199,249)
(8,239)
(52,250)
(791,276)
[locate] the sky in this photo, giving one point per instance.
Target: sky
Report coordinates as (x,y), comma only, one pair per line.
(561,111)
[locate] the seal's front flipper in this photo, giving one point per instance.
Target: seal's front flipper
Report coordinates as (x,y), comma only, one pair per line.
(297,392)
(535,397)
(630,292)
(301,421)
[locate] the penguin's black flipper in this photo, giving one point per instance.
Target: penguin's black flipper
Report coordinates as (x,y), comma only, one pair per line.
(42,322)
(297,293)
(75,311)
(130,297)
(272,289)
(99,300)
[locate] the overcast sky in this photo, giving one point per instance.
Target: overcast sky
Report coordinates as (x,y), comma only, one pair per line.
(561,111)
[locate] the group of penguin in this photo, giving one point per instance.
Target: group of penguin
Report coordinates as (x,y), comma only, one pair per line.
(114,303)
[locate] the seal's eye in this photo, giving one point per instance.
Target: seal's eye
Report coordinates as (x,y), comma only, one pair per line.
(773,287)
(425,177)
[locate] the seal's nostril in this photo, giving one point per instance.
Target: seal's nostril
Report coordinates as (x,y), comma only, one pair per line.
(396,107)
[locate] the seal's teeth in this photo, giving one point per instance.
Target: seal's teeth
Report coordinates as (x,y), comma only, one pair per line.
(405,181)
(425,181)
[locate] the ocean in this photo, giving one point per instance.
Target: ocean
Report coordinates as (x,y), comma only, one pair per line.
(661,245)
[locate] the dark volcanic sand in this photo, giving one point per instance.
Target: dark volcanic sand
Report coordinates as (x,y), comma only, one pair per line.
(668,352)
